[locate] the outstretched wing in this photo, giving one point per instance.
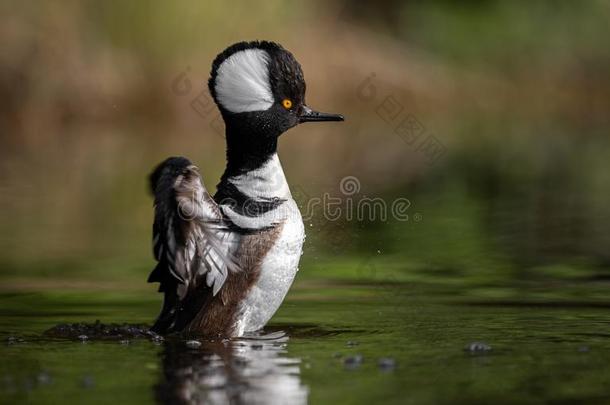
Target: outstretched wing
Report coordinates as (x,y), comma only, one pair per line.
(191,242)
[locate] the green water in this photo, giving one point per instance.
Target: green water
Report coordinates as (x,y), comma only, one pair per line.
(510,255)
(553,352)
(507,241)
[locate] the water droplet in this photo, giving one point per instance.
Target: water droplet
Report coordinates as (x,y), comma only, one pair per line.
(477,347)
(87,382)
(43,378)
(386,364)
(352,362)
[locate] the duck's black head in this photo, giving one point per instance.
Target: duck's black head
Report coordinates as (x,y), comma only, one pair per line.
(260,90)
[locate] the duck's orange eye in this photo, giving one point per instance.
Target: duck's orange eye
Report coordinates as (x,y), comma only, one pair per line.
(287,103)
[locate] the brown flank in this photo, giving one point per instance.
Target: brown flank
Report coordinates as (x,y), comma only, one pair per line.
(217,315)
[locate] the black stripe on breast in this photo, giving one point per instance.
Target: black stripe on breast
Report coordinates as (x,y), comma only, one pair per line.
(242,204)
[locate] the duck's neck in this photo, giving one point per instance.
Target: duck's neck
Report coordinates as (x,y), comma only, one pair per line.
(253,168)
(250,143)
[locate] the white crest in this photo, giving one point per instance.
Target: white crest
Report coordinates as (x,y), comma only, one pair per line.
(242,82)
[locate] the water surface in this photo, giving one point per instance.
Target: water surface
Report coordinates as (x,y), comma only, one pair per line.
(329,343)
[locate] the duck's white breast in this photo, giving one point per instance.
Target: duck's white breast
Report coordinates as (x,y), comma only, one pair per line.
(277,273)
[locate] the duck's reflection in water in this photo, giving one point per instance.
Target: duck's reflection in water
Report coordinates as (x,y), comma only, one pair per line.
(252,370)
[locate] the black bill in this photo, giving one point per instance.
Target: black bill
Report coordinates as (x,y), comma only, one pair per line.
(309,115)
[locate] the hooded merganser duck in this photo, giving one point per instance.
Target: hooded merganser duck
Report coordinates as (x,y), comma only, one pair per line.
(226,263)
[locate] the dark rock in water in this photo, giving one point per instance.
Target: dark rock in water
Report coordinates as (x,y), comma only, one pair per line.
(386,364)
(478,347)
(352,362)
(100,331)
(11,340)
(351,343)
(193,344)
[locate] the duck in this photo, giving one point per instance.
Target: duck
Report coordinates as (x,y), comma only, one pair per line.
(226,262)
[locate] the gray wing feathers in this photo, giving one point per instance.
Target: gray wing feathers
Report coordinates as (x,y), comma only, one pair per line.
(189,234)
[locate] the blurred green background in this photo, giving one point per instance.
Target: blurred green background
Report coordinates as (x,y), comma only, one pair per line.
(516,95)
